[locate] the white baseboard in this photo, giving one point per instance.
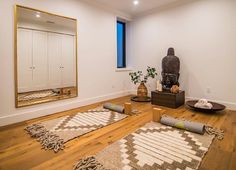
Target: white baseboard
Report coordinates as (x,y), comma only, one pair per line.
(44,111)
(22,116)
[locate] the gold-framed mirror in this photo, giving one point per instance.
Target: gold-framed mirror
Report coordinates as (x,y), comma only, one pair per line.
(45,57)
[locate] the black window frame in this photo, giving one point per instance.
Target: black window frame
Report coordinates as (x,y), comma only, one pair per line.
(124,45)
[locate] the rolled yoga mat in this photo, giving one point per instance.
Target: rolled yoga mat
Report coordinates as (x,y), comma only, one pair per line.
(114,107)
(183,124)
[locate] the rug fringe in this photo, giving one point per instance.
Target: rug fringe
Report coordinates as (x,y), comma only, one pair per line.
(89,163)
(213,131)
(49,140)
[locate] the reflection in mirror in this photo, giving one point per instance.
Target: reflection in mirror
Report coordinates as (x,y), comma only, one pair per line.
(46,58)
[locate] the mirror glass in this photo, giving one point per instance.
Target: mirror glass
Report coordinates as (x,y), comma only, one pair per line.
(45,57)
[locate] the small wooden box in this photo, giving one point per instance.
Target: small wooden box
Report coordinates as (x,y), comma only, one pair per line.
(168,99)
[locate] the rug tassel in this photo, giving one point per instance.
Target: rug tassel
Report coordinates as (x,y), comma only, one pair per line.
(89,163)
(49,140)
(212,131)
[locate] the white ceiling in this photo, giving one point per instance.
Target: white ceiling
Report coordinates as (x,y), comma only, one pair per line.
(28,15)
(127,6)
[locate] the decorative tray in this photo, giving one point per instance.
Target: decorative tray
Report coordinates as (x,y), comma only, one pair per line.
(216,106)
(137,99)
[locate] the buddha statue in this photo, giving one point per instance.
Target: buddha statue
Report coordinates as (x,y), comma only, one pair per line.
(170,70)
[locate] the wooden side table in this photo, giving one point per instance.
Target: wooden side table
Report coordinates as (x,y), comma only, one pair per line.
(168,99)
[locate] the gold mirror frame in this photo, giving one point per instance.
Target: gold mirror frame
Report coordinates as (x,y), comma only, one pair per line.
(15,55)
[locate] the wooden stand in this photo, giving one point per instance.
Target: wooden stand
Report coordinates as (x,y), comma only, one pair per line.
(128,109)
(168,99)
(157,113)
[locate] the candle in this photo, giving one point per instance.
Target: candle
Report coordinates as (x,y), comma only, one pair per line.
(159,86)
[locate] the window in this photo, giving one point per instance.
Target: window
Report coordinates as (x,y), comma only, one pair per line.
(121,40)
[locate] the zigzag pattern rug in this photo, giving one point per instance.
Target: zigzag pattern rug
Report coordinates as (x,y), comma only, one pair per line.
(152,147)
(54,133)
(35,95)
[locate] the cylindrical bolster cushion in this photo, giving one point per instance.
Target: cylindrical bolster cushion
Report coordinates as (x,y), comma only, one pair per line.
(113,107)
(183,124)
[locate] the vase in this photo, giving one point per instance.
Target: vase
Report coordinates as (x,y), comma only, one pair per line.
(142,91)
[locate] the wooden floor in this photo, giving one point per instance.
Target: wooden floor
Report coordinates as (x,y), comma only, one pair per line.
(19,151)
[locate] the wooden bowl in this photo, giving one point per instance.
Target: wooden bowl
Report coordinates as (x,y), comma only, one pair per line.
(142,99)
(216,106)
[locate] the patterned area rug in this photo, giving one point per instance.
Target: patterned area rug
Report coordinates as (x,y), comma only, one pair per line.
(152,147)
(54,133)
(36,95)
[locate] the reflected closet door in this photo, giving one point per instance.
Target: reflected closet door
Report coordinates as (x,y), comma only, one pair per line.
(40,63)
(68,61)
(24,60)
(54,60)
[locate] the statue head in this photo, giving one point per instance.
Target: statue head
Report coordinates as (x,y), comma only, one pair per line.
(170,70)
(171,51)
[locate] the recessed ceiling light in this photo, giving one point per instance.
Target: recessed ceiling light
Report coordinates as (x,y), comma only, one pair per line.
(136,2)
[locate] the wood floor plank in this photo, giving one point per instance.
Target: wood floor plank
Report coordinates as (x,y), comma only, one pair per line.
(19,151)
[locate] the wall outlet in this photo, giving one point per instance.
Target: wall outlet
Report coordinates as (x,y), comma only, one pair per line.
(208,90)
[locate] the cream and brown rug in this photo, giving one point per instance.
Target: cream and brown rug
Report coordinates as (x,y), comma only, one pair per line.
(54,133)
(151,147)
(35,95)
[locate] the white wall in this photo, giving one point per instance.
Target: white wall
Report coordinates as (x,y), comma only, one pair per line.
(203,34)
(97,76)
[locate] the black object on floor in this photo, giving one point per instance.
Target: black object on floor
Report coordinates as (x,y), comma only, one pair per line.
(138,99)
(168,99)
(216,106)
